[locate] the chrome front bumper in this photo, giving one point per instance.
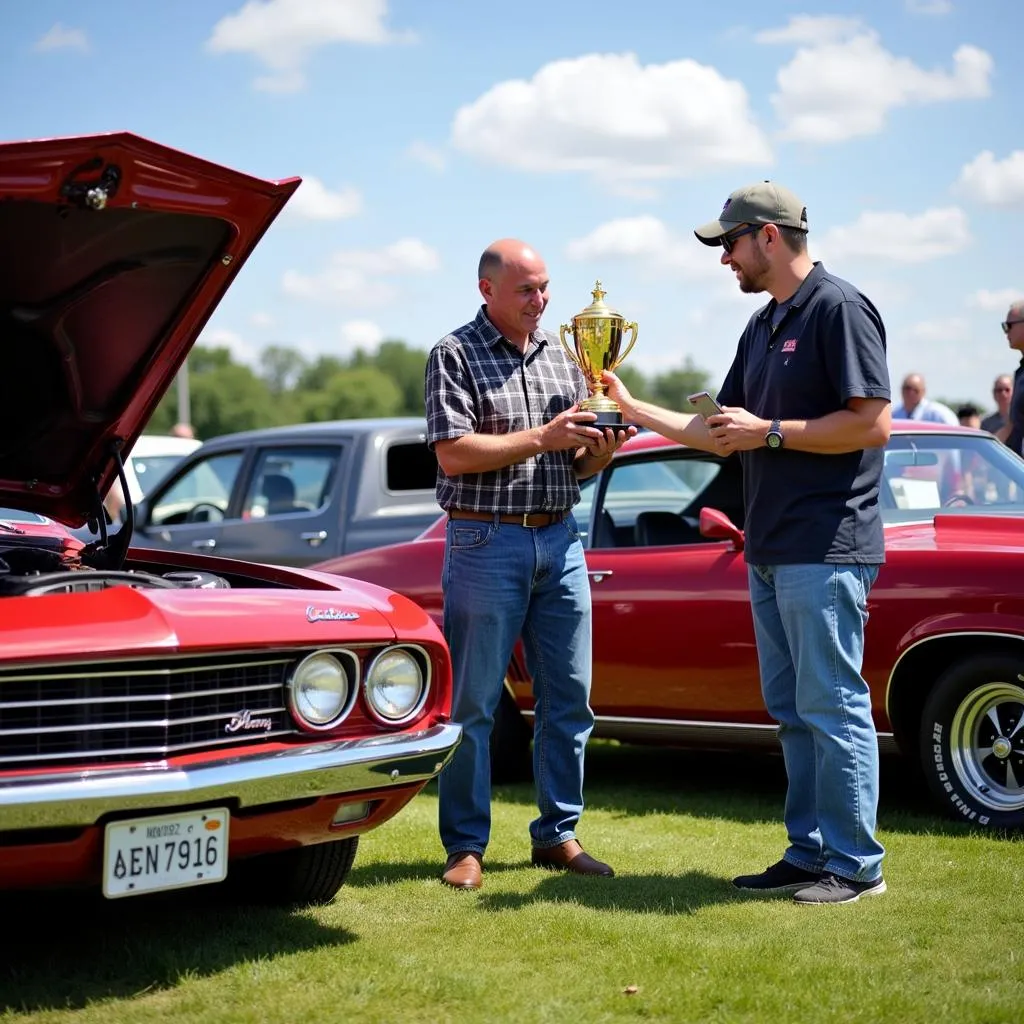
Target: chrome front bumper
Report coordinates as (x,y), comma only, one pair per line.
(314,770)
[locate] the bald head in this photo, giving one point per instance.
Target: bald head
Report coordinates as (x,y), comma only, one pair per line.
(513,281)
(504,253)
(1016,311)
(912,391)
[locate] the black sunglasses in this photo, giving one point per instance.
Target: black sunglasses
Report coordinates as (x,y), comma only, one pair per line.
(728,241)
(1007,324)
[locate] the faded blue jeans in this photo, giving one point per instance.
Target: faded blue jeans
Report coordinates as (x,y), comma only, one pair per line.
(809,625)
(501,581)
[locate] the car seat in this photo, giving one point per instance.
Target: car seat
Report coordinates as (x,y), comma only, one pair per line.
(279,491)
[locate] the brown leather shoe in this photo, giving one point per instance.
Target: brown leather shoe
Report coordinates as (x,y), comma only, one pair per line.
(569,856)
(463,870)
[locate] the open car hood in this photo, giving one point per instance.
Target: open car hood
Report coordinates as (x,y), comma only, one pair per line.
(115,252)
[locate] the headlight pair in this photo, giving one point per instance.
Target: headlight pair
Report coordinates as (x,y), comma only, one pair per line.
(322,689)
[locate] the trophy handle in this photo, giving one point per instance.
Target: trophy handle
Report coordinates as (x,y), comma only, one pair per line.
(626,327)
(563,330)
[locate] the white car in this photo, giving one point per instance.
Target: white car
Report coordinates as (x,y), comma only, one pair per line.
(152,457)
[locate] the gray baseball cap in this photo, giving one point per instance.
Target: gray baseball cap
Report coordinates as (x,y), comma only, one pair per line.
(762,203)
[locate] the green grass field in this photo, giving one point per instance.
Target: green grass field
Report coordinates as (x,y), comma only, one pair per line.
(668,939)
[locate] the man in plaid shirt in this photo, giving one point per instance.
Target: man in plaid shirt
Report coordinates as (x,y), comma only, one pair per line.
(503,418)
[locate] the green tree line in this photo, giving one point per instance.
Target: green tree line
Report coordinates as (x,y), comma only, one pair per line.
(286,387)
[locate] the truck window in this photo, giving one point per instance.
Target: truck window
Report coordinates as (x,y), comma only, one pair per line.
(411,467)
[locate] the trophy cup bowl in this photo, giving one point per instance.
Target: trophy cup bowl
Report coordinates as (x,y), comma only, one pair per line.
(597,334)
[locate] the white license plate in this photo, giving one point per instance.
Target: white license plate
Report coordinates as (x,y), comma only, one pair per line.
(166,852)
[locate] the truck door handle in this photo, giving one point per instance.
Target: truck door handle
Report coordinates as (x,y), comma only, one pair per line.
(207,544)
(599,574)
(314,538)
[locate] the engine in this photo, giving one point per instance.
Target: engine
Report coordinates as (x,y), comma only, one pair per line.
(30,570)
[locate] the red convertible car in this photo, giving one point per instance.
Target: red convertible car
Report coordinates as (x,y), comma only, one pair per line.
(674,655)
(169,720)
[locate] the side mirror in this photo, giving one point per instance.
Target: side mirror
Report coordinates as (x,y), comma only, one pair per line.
(717,525)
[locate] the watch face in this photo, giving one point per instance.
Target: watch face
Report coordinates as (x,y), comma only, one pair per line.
(773,440)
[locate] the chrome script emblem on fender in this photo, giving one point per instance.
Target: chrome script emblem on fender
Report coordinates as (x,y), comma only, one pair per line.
(329,615)
(246,721)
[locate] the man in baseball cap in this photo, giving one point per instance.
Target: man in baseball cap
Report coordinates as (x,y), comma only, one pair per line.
(763,203)
(806,408)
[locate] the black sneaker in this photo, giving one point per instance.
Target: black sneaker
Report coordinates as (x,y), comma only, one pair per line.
(780,877)
(834,889)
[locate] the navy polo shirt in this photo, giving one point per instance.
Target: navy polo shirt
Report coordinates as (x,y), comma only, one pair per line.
(828,347)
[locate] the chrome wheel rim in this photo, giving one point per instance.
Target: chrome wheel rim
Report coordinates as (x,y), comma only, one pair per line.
(987,745)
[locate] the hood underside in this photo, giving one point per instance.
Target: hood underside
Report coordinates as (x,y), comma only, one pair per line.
(116,252)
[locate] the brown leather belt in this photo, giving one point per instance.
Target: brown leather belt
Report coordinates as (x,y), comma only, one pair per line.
(528,519)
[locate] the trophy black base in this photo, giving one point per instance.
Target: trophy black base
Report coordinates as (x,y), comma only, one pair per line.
(608,418)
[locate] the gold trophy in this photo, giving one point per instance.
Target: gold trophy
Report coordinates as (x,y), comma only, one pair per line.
(597,333)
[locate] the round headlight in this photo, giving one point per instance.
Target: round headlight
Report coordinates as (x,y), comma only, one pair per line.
(395,686)
(319,691)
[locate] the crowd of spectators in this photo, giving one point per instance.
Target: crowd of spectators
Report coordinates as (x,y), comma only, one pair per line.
(1006,422)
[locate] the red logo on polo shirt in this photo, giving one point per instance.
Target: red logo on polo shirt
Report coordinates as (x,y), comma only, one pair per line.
(789,345)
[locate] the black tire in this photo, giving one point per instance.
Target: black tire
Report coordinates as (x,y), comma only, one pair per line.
(304,876)
(972,741)
(510,744)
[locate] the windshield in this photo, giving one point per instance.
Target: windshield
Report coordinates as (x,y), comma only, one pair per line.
(151,469)
(926,473)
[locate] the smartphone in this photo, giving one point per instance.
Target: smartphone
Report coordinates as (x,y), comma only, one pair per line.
(704,404)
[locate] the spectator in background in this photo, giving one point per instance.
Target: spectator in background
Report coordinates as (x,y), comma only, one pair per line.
(969,415)
(1002,389)
(1011,433)
(183,430)
(916,407)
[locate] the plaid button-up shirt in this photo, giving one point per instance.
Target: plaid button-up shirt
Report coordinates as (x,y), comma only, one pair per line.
(479,383)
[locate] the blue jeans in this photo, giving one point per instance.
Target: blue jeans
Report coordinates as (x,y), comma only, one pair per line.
(501,581)
(809,624)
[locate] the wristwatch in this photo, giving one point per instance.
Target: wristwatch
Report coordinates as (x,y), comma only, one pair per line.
(774,438)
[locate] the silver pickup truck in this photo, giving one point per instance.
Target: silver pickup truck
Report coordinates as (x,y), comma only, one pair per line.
(296,495)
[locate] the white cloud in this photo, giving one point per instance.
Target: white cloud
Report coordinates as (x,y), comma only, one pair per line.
(364,334)
(359,276)
(314,201)
(947,328)
(995,300)
(61,38)
(811,29)
(242,351)
(261,319)
(610,116)
(648,239)
(423,153)
(900,237)
(282,34)
(929,6)
(997,182)
(843,82)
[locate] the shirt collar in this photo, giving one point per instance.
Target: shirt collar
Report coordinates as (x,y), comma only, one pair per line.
(491,335)
(801,295)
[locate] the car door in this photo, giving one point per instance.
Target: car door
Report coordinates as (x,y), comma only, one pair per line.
(673,633)
(289,513)
(187,511)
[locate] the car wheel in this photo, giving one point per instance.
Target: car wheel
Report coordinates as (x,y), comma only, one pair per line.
(510,743)
(300,877)
(972,741)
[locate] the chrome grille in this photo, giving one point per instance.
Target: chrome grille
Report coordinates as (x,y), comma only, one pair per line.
(105,713)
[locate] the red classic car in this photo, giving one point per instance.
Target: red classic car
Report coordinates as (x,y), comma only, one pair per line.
(169,720)
(674,655)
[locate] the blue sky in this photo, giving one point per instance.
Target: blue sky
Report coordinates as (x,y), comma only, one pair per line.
(601,132)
